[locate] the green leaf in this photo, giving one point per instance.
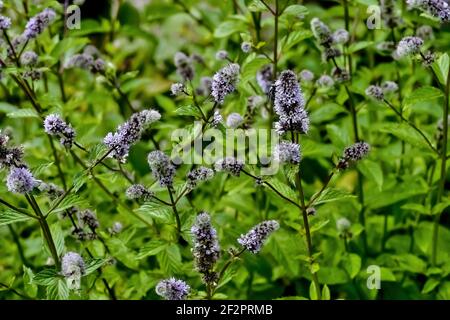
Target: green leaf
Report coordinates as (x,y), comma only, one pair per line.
(372,170)
(355,47)
(157,211)
(283,188)
(295,10)
(257,6)
(407,134)
(169,259)
(6,107)
(425,93)
(188,110)
(46,277)
(249,70)
(72,200)
(94,264)
(23,113)
(30,288)
(229,27)
(352,263)
(58,238)
(430,285)
(10,216)
(332,194)
(440,207)
(58,290)
(295,37)
(313,291)
(441,67)
(326,293)
(153,248)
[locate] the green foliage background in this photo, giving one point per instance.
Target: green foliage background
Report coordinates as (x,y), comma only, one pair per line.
(399,178)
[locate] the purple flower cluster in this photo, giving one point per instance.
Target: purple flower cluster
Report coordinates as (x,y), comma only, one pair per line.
(173,289)
(5,23)
(129,133)
(255,238)
(375,92)
(224,82)
(88,219)
(289,104)
(206,250)
(197,175)
(409,46)
(20,180)
(353,153)
(138,191)
(230,165)
(73,268)
(9,156)
(86,61)
(264,78)
(287,152)
(162,167)
(54,125)
(437,8)
(184,66)
(37,24)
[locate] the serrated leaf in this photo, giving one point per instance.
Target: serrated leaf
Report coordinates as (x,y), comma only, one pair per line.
(72,200)
(283,188)
(23,113)
(293,38)
(352,263)
(332,194)
(46,277)
(372,170)
(159,212)
(441,68)
(94,264)
(407,134)
(229,27)
(249,70)
(295,10)
(58,238)
(188,110)
(169,259)
(421,94)
(430,285)
(10,216)
(58,290)
(153,248)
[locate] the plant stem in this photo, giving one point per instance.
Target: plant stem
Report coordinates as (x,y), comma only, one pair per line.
(19,246)
(225,268)
(443,176)
(307,233)
(347,27)
(9,205)
(45,228)
(175,212)
(275,42)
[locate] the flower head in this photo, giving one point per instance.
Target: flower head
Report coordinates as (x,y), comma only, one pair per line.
(288,95)
(54,125)
(20,180)
(37,24)
(184,66)
(306,75)
(437,8)
(138,191)
(162,167)
(221,55)
(409,46)
(389,86)
(264,78)
(256,237)
(224,82)
(197,175)
(206,248)
(29,58)
(246,47)
(287,151)
(234,120)
(88,218)
(9,156)
(343,224)
(375,92)
(353,153)
(321,32)
(177,89)
(5,22)
(340,36)
(230,165)
(325,81)
(73,268)
(173,289)
(129,133)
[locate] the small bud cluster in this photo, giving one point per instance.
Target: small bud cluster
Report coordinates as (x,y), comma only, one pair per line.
(224,82)
(54,125)
(353,154)
(173,289)
(255,238)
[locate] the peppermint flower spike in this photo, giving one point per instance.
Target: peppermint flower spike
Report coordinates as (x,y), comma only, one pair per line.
(224,82)
(321,32)
(287,152)
(437,8)
(353,154)
(184,66)
(73,268)
(20,180)
(173,289)
(221,55)
(255,238)
(409,46)
(162,168)
(230,165)
(206,250)
(129,133)
(37,24)
(54,125)
(9,156)
(375,92)
(264,78)
(138,191)
(5,22)
(198,175)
